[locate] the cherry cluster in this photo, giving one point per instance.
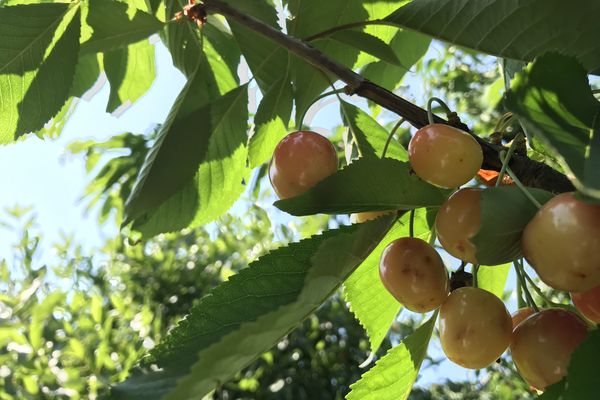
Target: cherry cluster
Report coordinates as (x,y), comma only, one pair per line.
(561,243)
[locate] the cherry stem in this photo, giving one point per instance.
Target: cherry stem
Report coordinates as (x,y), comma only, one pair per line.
(391,135)
(430,117)
(462,267)
(519,183)
(528,296)
(411,223)
(506,159)
(474,272)
(535,287)
(503,122)
(320,97)
(520,301)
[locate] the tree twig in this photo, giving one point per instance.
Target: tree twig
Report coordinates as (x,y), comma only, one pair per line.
(532,173)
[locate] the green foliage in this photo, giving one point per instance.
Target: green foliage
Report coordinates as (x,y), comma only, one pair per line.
(130,72)
(368,184)
(226,330)
(493,278)
(113,24)
(562,114)
(508,30)
(370,137)
(505,211)
(394,375)
(37,69)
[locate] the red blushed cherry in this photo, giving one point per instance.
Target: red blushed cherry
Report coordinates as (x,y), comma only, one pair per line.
(542,345)
(588,303)
(414,273)
(562,243)
(301,160)
(444,156)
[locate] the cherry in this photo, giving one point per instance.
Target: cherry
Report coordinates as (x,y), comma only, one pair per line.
(414,273)
(561,243)
(542,345)
(475,327)
(300,161)
(458,220)
(588,303)
(359,218)
(521,314)
(444,156)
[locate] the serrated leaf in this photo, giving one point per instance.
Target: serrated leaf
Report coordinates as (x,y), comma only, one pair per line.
(86,74)
(493,278)
(368,184)
(505,211)
(251,312)
(204,147)
(520,30)
(130,72)
(39,44)
(395,373)
(370,302)
(114,24)
(370,137)
(267,60)
(409,48)
(367,44)
(307,19)
(555,104)
(271,121)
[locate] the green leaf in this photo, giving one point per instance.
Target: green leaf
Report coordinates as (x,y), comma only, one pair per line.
(267,60)
(394,374)
(204,148)
(555,104)
(409,48)
(39,44)
(271,121)
(86,74)
(130,72)
(308,20)
(582,380)
(367,44)
(505,211)
(115,25)
(247,315)
(520,30)
(493,278)
(368,184)
(369,136)
(370,302)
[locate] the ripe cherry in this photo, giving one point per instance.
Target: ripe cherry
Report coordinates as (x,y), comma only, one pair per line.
(588,303)
(300,161)
(521,314)
(458,220)
(444,156)
(542,345)
(475,327)
(414,273)
(561,243)
(359,218)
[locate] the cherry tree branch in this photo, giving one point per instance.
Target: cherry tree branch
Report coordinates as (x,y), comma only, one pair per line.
(532,173)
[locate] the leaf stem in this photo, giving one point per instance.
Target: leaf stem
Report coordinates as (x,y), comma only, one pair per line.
(391,135)
(474,272)
(430,116)
(528,296)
